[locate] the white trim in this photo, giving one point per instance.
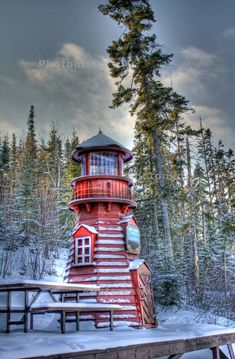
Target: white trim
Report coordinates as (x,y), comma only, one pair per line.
(101,228)
(109,249)
(112,270)
(113,256)
(111,235)
(83,247)
(111,264)
(109,241)
(127,277)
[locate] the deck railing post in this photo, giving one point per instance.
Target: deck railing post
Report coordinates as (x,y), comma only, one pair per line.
(8,310)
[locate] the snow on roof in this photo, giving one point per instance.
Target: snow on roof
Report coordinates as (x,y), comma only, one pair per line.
(125,219)
(89,228)
(136,263)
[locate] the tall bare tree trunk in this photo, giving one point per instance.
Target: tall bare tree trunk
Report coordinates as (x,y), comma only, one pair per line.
(193,224)
(183,209)
(163,203)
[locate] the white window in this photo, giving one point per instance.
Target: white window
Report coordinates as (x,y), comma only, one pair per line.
(83,251)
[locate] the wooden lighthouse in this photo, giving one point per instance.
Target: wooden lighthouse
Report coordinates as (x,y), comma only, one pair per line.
(106,239)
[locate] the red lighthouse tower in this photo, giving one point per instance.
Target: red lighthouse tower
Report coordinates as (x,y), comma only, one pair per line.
(106,239)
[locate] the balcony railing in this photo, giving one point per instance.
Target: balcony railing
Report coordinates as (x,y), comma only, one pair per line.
(107,187)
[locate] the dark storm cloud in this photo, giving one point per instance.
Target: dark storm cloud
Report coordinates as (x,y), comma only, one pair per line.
(208,80)
(74,90)
(200,33)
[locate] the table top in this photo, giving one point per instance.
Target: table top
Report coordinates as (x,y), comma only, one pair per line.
(36,284)
(75,306)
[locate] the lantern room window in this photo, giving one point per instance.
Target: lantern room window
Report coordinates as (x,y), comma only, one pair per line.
(83,165)
(103,163)
(83,251)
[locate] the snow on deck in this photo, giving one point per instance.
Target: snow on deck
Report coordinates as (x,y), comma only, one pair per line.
(42,343)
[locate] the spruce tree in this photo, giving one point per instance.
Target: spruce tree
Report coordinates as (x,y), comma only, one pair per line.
(136,62)
(26,193)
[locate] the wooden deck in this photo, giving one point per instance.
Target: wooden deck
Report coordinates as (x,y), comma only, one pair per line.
(124,344)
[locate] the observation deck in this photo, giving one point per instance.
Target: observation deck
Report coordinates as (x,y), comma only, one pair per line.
(105,188)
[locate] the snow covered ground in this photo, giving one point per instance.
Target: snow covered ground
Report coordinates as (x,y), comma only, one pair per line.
(47,339)
(16,264)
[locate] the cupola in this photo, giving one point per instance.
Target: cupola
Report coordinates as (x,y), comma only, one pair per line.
(101,155)
(102,179)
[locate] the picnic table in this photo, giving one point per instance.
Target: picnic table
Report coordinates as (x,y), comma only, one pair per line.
(32,290)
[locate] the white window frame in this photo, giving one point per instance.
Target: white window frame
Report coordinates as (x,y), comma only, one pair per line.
(83,255)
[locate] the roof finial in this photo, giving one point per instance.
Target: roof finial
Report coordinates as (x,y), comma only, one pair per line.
(100,130)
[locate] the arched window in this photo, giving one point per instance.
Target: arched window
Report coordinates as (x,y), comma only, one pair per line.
(103,163)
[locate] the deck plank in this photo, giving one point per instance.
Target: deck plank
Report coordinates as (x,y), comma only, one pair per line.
(124,344)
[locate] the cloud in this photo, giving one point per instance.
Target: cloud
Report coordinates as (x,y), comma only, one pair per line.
(229,33)
(192,72)
(197,57)
(75,88)
(207,80)
(212,118)
(70,51)
(8,129)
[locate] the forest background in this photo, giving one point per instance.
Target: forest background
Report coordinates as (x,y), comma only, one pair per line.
(184,183)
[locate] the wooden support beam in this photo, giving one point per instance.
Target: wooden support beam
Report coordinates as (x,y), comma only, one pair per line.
(77,321)
(223,355)
(216,353)
(8,310)
(88,207)
(62,321)
(26,314)
(111,320)
(109,206)
(231,351)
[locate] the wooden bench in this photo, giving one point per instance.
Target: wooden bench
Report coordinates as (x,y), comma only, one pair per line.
(67,307)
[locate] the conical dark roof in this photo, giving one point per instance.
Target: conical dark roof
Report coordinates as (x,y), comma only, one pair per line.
(100,142)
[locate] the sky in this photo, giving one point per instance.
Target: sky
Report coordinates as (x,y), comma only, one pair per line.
(53,55)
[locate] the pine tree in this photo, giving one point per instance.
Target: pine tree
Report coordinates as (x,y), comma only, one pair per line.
(72,169)
(55,156)
(4,167)
(136,63)
(5,154)
(26,193)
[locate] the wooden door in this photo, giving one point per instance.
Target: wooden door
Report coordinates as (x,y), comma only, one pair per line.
(146,297)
